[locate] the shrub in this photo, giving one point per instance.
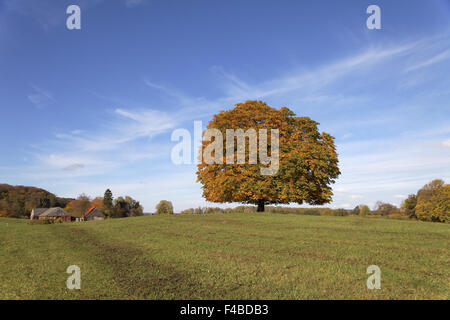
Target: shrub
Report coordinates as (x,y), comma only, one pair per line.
(42,221)
(340,212)
(58,220)
(164,207)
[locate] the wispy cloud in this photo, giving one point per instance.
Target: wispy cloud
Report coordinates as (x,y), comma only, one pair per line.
(302,85)
(389,167)
(129,125)
(40,97)
(74,167)
(133,3)
(111,145)
(322,76)
(430,61)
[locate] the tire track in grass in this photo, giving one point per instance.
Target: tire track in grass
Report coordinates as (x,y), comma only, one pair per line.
(135,274)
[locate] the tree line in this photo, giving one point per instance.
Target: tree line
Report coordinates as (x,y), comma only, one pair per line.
(431,203)
(18,201)
(120,207)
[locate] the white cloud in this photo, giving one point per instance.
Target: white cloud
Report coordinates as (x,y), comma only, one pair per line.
(446,143)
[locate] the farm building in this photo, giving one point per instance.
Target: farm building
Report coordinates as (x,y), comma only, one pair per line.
(92,214)
(50,213)
(36,212)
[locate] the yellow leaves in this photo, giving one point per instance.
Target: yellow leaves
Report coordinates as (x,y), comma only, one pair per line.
(433,203)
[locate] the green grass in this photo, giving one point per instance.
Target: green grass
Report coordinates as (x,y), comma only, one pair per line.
(232,256)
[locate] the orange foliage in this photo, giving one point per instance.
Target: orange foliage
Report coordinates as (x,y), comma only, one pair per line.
(98,203)
(308,160)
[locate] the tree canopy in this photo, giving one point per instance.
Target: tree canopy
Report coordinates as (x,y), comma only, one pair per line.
(433,202)
(126,207)
(18,201)
(308,161)
(79,206)
(409,206)
(164,207)
(384,209)
(108,202)
(364,211)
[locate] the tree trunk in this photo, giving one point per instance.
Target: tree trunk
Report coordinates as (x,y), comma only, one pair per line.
(260,205)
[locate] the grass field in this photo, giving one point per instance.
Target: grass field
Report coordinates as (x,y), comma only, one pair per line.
(233,256)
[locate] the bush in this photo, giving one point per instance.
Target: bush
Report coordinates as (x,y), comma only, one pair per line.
(164,207)
(212,210)
(43,221)
(58,220)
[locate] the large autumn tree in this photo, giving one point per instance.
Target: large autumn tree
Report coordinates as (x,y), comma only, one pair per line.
(308,162)
(433,202)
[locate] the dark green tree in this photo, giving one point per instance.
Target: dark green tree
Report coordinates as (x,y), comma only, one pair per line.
(108,203)
(126,207)
(409,206)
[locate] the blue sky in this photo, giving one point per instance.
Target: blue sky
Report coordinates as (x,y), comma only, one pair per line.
(90,109)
